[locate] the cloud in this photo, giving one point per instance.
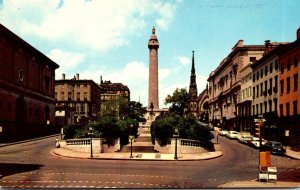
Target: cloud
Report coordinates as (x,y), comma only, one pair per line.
(97,25)
(183,60)
(68,61)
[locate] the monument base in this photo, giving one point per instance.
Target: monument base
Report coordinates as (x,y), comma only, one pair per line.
(151,115)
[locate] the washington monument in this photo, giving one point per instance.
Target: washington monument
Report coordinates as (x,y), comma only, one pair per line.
(153,46)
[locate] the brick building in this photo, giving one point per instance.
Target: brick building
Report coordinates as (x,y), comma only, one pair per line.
(112,95)
(289,92)
(224,84)
(82,95)
(26,88)
(265,74)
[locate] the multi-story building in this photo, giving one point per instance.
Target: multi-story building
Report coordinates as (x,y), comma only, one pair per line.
(225,83)
(244,100)
(116,92)
(26,88)
(289,93)
(81,94)
(265,74)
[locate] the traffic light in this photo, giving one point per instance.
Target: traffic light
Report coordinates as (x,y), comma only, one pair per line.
(257,129)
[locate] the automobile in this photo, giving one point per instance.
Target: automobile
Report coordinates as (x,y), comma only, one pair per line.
(274,147)
(254,142)
(223,132)
(243,133)
(244,138)
(232,134)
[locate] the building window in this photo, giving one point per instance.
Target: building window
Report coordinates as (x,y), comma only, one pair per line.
(256,109)
(266,88)
(253,108)
(289,64)
(287,105)
(62,95)
(271,67)
(69,96)
(21,75)
(253,92)
(257,75)
(275,105)
(253,79)
(276,65)
(55,95)
(295,107)
(288,87)
(261,108)
(270,105)
(295,61)
(78,95)
(266,70)
(295,82)
(281,86)
(85,85)
(271,86)
(9,107)
(276,84)
(265,105)
(252,59)
(281,68)
(261,73)
(257,91)
(85,96)
(261,89)
(281,110)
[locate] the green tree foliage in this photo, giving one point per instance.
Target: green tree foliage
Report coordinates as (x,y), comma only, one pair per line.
(177,101)
(117,107)
(71,131)
(189,128)
(136,111)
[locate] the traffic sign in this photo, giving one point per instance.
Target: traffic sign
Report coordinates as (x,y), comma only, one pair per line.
(259,120)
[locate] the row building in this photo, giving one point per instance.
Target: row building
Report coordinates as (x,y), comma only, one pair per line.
(258,80)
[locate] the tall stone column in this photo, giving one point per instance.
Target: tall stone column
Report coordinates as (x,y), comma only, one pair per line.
(153,46)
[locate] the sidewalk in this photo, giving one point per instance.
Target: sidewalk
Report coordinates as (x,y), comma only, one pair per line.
(136,156)
(256,184)
(292,154)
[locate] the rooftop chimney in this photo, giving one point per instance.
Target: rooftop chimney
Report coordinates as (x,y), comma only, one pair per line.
(77,76)
(268,46)
(63,77)
(298,34)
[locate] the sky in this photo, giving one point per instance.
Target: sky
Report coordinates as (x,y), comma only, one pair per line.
(110,38)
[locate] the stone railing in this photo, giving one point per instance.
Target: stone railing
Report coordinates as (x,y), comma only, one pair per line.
(83,145)
(86,141)
(188,142)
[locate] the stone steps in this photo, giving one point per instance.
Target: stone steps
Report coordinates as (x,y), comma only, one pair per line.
(144,149)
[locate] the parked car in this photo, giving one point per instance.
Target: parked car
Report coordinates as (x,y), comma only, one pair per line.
(254,142)
(274,147)
(244,138)
(243,133)
(223,132)
(232,134)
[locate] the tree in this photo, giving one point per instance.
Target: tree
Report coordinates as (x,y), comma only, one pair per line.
(136,111)
(117,107)
(177,101)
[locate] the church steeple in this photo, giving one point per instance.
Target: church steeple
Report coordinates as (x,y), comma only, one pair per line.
(193,85)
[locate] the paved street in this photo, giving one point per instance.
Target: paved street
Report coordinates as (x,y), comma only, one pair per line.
(31,165)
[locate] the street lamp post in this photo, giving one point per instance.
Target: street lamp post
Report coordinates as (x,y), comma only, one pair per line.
(131,136)
(151,111)
(176,135)
(91,138)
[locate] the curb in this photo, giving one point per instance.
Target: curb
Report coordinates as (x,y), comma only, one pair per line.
(136,159)
(29,140)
